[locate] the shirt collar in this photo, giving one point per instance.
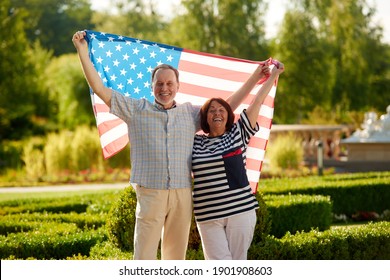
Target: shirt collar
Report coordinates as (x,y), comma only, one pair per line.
(161,107)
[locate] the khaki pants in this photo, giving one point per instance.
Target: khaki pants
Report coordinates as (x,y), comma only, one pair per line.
(229,238)
(165,215)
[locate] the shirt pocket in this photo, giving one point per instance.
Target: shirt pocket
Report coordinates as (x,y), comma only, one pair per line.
(235,169)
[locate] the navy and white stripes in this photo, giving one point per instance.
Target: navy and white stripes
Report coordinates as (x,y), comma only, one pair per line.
(221,187)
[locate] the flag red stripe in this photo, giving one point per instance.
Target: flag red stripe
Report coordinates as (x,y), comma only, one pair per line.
(106,126)
(269,101)
(252,164)
(264,122)
(115,146)
(101,108)
(253,186)
(258,142)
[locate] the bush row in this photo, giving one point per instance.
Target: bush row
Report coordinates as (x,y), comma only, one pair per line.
(102,226)
(365,242)
(349,194)
(92,203)
(276,216)
(54,241)
(298,213)
(29,222)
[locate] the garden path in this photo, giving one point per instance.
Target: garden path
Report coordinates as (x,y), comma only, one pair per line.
(61,188)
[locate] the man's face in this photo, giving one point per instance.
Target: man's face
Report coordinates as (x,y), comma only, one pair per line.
(165,87)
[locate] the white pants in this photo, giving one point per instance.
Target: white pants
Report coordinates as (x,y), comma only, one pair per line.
(165,215)
(229,238)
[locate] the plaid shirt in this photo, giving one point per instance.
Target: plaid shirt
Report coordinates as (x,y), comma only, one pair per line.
(161,141)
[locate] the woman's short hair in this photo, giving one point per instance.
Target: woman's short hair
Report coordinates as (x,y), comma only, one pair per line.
(205,108)
(165,66)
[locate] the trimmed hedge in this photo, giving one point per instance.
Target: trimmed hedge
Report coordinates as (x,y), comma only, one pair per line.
(365,242)
(288,213)
(57,242)
(55,228)
(121,221)
(27,222)
(292,213)
(349,193)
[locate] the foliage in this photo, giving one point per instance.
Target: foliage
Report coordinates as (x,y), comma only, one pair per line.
(264,220)
(10,155)
(78,150)
(34,162)
(232,27)
(337,63)
(300,89)
(134,18)
(366,242)
(285,152)
(328,116)
(74,225)
(293,213)
(121,222)
(68,92)
(67,156)
(86,151)
(53,227)
(333,51)
(365,191)
(53,23)
(21,77)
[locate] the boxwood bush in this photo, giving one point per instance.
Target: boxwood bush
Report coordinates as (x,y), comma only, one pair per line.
(291,224)
(365,242)
(292,213)
(349,193)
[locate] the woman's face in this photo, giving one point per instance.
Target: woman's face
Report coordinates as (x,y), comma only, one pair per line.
(217,117)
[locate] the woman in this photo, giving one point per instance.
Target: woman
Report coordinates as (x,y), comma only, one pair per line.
(224,204)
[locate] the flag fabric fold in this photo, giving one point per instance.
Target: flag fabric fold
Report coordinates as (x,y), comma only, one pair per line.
(125,64)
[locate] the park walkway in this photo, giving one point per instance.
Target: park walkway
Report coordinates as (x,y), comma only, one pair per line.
(62,188)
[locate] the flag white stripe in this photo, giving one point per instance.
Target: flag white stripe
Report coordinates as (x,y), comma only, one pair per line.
(104,117)
(255,153)
(253,175)
(113,134)
(263,133)
(266,111)
(209,82)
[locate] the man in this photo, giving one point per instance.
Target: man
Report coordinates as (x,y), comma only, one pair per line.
(161,138)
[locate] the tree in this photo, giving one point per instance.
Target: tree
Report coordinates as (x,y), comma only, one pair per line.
(68,93)
(133,18)
(335,60)
(231,27)
(53,23)
(357,49)
(309,78)
(20,79)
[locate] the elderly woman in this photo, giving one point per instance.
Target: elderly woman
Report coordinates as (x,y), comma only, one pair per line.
(224,204)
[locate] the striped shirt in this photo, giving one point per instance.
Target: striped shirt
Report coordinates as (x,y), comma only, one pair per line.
(160,141)
(221,187)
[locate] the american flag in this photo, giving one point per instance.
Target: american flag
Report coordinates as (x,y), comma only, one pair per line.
(125,65)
